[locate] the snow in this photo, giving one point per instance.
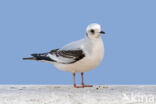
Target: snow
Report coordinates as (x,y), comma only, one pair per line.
(67,94)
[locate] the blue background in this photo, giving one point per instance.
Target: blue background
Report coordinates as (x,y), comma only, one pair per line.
(30,26)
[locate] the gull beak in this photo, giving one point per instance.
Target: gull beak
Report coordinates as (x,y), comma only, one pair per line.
(102,32)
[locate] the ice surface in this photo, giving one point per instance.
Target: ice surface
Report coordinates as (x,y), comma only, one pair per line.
(67,94)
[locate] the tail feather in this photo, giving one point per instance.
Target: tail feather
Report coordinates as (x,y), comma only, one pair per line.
(40,57)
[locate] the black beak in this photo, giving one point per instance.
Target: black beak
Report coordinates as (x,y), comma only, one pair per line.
(102,32)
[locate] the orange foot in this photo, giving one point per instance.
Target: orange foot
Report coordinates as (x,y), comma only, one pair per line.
(76,86)
(87,85)
(82,86)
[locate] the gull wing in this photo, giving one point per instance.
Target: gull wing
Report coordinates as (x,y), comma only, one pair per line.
(70,53)
(66,56)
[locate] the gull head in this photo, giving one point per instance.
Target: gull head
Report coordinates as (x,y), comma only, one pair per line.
(94,31)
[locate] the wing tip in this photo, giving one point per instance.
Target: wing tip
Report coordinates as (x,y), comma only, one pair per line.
(29,58)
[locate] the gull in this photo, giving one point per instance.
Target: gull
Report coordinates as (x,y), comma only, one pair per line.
(78,56)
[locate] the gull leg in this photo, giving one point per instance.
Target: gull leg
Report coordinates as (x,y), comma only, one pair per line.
(75,82)
(82,81)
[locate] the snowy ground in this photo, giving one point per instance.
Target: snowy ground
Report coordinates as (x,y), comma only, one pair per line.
(66,94)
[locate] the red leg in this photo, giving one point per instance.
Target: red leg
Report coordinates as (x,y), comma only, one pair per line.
(82,81)
(75,82)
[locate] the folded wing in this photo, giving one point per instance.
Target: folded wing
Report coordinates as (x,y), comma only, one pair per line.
(59,56)
(66,56)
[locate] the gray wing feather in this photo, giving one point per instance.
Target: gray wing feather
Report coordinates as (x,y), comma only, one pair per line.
(66,56)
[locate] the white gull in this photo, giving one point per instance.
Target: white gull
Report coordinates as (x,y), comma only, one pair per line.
(78,56)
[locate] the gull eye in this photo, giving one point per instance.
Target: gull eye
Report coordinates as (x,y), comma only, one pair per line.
(92,31)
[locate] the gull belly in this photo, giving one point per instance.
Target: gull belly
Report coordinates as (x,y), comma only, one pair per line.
(91,60)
